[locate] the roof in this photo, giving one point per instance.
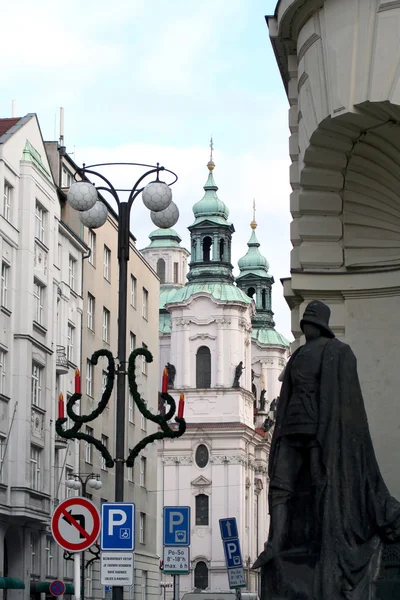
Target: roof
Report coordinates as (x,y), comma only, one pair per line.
(6,124)
(222,292)
(210,206)
(164,238)
(9,126)
(253,261)
(269,337)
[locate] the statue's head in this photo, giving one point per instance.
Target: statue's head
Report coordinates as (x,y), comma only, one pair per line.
(315,321)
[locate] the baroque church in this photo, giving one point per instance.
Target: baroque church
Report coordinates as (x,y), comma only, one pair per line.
(217,335)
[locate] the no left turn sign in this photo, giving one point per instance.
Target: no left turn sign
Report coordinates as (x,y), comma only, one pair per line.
(75,524)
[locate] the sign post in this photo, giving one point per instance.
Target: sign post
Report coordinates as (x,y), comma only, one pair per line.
(233,555)
(176,541)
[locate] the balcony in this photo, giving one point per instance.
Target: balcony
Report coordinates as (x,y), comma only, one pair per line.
(60,443)
(61,361)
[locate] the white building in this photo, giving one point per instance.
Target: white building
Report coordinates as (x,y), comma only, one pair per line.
(40,304)
(219,466)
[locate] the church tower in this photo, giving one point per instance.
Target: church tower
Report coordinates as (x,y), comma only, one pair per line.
(269,348)
(219,467)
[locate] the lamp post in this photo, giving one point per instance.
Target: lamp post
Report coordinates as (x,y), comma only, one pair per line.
(157,197)
(77,481)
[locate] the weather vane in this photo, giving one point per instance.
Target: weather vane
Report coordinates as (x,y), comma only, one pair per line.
(254,209)
(211,148)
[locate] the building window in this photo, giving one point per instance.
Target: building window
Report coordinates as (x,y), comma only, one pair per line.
(40,222)
(176,272)
(203,367)
(72,272)
(130,408)
(144,586)
(202,456)
(221,249)
(103,381)
(92,247)
(88,447)
(34,547)
(104,441)
(133,291)
(3,372)
(106,325)
(3,442)
(90,311)
(132,341)
(67,179)
(89,581)
(201,576)
(89,378)
(69,492)
(38,302)
(250,292)
(71,343)
(49,555)
(7,201)
(202,509)
(144,362)
(35,467)
(37,377)
(130,474)
(207,243)
(264,299)
(142,528)
(145,304)
(161,269)
(143,471)
(5,273)
(107,263)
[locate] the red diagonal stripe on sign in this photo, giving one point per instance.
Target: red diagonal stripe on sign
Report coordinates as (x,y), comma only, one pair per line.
(75,523)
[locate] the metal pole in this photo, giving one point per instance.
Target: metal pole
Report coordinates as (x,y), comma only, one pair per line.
(77,575)
(123,257)
(83,484)
(176,587)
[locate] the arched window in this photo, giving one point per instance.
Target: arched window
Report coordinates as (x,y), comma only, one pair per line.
(221,249)
(202,455)
(161,269)
(202,509)
(207,243)
(264,299)
(201,576)
(203,367)
(250,292)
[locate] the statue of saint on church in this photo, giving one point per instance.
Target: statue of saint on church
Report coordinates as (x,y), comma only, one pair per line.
(171,375)
(327,497)
(238,374)
(262,400)
(253,388)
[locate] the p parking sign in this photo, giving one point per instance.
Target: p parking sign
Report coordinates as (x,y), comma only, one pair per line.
(176,526)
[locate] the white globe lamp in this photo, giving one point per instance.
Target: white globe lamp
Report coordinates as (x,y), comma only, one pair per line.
(157,196)
(166,218)
(82,195)
(96,216)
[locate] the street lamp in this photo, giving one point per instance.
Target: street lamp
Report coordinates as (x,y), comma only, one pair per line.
(157,197)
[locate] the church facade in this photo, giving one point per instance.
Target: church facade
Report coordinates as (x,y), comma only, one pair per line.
(217,336)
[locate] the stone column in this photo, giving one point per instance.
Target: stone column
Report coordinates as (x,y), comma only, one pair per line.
(185,353)
(220,353)
(215,247)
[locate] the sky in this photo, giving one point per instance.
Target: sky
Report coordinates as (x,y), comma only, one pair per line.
(150,81)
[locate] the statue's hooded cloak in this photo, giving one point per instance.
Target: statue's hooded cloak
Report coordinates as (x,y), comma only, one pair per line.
(356,510)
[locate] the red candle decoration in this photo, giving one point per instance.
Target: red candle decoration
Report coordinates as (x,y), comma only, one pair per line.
(181,406)
(61,413)
(77,382)
(164,386)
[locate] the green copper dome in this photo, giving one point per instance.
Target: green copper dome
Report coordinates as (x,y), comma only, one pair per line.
(222,292)
(210,205)
(164,238)
(269,337)
(253,262)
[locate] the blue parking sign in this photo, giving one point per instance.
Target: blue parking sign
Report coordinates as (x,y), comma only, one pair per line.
(228,528)
(117,526)
(176,526)
(233,556)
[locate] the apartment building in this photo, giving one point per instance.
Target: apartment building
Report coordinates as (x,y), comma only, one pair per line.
(99,330)
(40,305)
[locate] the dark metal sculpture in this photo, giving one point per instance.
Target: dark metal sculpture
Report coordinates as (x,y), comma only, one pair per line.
(262,400)
(171,375)
(238,374)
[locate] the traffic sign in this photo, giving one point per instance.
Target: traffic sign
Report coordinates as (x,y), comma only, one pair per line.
(116,568)
(176,560)
(108,592)
(228,528)
(176,526)
(233,555)
(75,524)
(117,526)
(57,588)
(236,578)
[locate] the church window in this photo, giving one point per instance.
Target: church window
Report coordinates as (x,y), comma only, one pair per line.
(161,269)
(203,367)
(201,576)
(250,292)
(176,272)
(202,456)
(264,299)
(207,243)
(202,509)
(221,249)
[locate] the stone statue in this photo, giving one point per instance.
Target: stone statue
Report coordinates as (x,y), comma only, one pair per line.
(330,509)
(268,423)
(262,400)
(238,374)
(171,375)
(253,388)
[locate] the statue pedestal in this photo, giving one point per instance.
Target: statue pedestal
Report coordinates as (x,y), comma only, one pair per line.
(259,418)
(289,577)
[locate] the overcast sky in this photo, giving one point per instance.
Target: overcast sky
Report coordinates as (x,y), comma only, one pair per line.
(150,81)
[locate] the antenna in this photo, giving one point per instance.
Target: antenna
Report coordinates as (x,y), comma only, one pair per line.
(13,108)
(61,126)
